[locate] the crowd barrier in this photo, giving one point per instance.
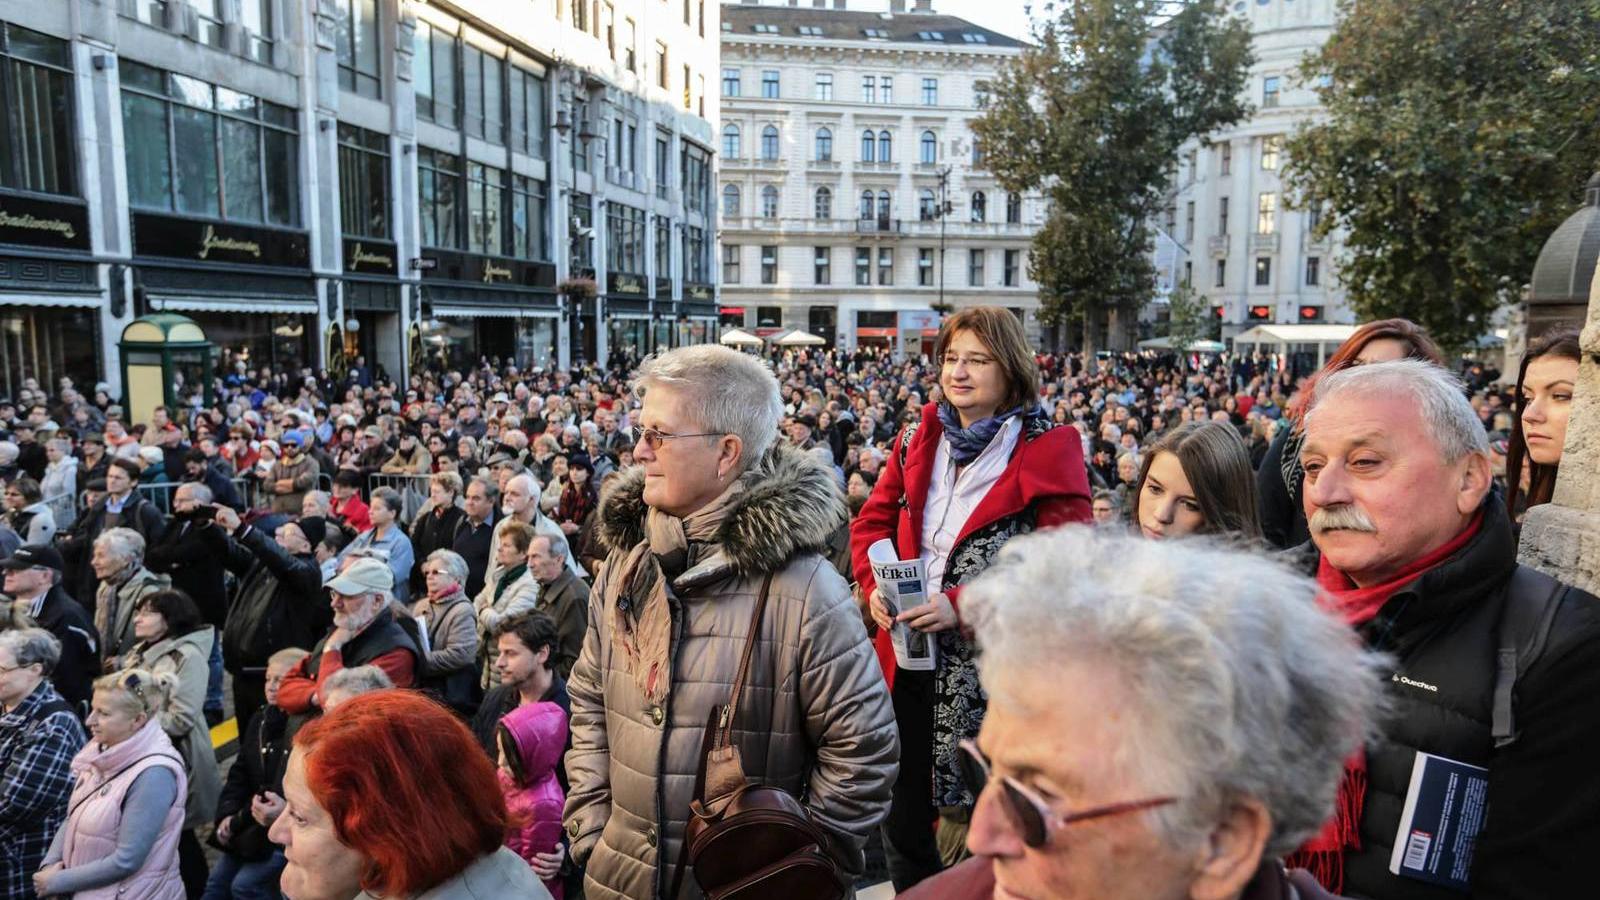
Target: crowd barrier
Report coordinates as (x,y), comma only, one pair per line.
(413,490)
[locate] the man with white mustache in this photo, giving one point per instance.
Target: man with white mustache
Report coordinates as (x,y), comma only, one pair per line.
(1416,552)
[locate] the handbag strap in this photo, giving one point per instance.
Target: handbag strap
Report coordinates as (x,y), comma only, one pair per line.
(719,727)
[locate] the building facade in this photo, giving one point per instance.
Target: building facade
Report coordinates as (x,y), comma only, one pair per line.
(1229,231)
(854,203)
(312,180)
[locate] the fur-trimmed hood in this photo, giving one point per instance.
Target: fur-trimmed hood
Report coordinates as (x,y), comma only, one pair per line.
(791,504)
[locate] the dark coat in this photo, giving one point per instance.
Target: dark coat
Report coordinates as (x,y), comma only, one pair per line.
(194,553)
(566,602)
(138,513)
(434,531)
(475,544)
(223,490)
(79,665)
(279,603)
(263,757)
(974,880)
(503,699)
(1279,492)
(1543,799)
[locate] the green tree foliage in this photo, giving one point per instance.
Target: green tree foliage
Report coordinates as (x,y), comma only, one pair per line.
(1093,114)
(1459,134)
(1189,320)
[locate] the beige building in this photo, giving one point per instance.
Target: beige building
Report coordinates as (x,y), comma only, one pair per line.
(843,134)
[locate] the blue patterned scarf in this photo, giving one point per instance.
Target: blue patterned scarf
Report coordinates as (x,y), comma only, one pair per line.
(966,444)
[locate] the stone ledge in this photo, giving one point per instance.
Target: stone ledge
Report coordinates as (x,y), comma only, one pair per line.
(1564,543)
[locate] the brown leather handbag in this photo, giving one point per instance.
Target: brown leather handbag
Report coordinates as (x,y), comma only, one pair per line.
(746,841)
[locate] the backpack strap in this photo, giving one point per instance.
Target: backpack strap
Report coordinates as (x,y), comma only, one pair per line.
(1526,617)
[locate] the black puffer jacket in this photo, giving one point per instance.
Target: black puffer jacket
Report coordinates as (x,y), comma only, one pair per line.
(1544,800)
(279,604)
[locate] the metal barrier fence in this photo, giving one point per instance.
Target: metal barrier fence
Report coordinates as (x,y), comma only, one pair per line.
(413,490)
(64,509)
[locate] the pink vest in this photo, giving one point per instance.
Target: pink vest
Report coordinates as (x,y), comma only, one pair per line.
(95,814)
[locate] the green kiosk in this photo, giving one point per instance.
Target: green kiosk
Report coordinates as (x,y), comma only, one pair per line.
(166,361)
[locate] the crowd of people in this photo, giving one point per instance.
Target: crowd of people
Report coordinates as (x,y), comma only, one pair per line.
(478,629)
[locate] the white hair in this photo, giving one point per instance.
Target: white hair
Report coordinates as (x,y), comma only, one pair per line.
(321,499)
(1438,396)
(32,645)
(357,680)
(198,490)
(1241,686)
(452,563)
(122,543)
(529,482)
(725,392)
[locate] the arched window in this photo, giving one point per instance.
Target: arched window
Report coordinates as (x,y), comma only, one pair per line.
(730,141)
(884,146)
(927,205)
(769,142)
(1013,208)
(930,148)
(730,200)
(769,202)
(868,146)
(824,203)
(883,204)
(980,207)
(866,204)
(824,145)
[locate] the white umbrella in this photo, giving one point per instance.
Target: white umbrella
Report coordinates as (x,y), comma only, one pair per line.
(736,337)
(798,338)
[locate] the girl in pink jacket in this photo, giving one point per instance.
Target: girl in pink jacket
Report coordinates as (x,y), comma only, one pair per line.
(531,739)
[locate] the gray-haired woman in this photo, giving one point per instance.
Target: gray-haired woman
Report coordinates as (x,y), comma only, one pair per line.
(715,510)
(1236,701)
(448,619)
(118,562)
(40,737)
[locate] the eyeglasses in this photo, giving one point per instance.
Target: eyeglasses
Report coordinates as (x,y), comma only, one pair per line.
(654,439)
(972,362)
(1026,810)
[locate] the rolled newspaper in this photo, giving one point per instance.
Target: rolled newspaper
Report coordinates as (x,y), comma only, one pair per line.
(903,584)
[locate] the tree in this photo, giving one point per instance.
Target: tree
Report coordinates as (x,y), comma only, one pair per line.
(1093,114)
(1459,134)
(1188,320)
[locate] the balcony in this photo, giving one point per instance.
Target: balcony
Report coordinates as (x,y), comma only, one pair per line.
(1218,245)
(881,227)
(822,165)
(1264,243)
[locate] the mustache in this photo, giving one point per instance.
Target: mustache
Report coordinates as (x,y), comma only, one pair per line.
(1343,517)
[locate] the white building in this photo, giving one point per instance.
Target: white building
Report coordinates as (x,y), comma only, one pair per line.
(841,126)
(1227,230)
(316,179)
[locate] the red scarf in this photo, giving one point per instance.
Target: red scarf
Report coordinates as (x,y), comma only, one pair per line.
(1323,855)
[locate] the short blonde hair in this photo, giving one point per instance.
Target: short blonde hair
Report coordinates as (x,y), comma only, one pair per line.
(450,481)
(138,692)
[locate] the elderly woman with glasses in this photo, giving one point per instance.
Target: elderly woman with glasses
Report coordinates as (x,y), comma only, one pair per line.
(1203,737)
(719,514)
(39,738)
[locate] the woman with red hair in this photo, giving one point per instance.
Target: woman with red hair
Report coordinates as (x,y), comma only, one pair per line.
(388,796)
(1279,480)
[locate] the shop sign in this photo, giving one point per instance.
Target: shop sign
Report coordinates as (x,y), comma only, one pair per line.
(365,256)
(173,237)
(625,284)
(663,288)
(698,292)
(475,269)
(43,223)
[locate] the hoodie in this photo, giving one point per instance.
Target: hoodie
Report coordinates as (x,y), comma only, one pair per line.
(539,731)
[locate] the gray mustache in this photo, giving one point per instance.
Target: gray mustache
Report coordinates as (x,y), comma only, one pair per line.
(1343,517)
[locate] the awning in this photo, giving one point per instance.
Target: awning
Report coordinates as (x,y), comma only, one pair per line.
(735,337)
(1165,343)
(71,300)
(503,312)
(798,338)
(166,302)
(1296,334)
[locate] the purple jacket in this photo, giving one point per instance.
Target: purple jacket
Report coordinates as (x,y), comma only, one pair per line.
(539,731)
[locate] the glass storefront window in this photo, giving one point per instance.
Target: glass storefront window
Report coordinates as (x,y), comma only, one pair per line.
(283,341)
(47,343)
(363,182)
(537,342)
(629,337)
(36,149)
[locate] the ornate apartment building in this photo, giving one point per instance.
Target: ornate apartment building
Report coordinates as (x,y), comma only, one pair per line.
(314,179)
(853,202)
(1228,230)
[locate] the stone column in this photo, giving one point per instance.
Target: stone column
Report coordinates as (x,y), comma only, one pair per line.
(1562,538)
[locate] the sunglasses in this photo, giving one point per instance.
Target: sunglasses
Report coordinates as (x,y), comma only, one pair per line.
(1025,810)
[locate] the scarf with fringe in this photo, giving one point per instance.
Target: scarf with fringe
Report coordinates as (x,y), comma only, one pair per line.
(642,625)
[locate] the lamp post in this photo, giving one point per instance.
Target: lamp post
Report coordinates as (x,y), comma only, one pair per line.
(944,210)
(585,133)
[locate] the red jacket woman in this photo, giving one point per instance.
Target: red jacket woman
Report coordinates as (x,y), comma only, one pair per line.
(983,465)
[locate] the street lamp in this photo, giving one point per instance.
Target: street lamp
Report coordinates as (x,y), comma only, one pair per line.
(944,210)
(575,229)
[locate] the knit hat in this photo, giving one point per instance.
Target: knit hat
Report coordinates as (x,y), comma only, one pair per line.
(315,528)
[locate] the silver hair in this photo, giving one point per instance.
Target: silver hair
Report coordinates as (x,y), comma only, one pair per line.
(530,482)
(390,498)
(559,548)
(123,543)
(357,680)
(32,645)
(321,499)
(1242,687)
(452,563)
(198,491)
(1438,396)
(726,392)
